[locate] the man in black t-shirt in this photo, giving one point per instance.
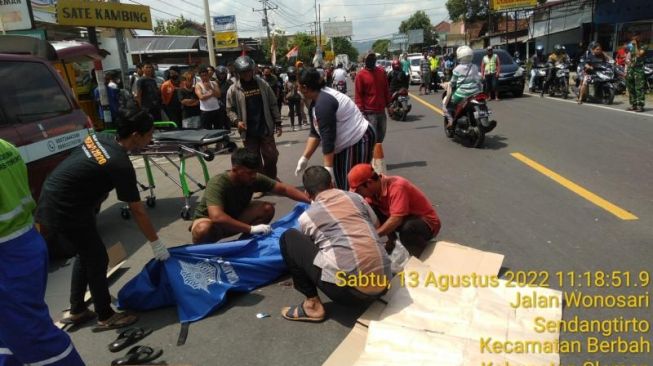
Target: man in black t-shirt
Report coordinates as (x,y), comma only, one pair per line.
(252,106)
(67,207)
(148,94)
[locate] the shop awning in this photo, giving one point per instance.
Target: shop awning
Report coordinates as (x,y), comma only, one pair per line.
(166,44)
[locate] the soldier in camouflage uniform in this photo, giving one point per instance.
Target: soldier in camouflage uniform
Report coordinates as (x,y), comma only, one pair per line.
(635,79)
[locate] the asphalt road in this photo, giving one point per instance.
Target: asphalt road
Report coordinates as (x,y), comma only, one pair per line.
(487,198)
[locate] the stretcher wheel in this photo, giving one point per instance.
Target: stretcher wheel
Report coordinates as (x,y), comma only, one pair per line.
(185,213)
(231,146)
(209,156)
(150,201)
(124,213)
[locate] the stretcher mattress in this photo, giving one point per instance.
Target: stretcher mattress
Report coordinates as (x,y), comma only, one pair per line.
(199,137)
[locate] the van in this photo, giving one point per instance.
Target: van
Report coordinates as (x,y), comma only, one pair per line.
(38,111)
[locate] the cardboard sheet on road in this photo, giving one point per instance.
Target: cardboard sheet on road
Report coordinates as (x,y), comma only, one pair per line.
(414,325)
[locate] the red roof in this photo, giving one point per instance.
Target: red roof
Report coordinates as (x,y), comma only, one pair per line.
(443,26)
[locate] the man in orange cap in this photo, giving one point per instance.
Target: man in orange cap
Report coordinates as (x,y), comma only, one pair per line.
(401,207)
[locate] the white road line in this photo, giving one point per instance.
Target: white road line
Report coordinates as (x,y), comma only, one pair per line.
(590,105)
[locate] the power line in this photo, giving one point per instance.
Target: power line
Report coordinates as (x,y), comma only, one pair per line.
(370,4)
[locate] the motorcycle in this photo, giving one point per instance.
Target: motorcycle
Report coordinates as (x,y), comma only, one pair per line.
(540,77)
(620,79)
(341,86)
(471,120)
(400,105)
(648,74)
(601,85)
(560,80)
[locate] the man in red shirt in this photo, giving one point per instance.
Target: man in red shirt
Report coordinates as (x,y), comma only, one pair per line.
(402,207)
(372,98)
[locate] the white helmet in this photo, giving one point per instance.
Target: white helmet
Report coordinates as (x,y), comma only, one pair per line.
(464,54)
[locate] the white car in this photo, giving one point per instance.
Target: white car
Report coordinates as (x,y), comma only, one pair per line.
(415,73)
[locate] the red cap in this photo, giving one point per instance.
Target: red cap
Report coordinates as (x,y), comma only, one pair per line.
(358,175)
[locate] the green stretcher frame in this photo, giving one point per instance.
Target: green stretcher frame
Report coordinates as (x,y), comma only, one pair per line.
(184,153)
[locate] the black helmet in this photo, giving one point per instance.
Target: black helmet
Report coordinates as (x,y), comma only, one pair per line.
(557,48)
(244,64)
(292,70)
(221,70)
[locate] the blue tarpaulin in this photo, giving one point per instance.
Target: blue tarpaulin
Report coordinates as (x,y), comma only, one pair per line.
(196,278)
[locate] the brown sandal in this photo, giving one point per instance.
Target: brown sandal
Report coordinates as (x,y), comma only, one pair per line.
(116,321)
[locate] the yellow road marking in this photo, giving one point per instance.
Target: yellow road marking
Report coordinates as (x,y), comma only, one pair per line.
(604,204)
(426,104)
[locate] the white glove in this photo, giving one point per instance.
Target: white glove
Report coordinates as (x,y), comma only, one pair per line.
(260,229)
(159,250)
(330,170)
(301,165)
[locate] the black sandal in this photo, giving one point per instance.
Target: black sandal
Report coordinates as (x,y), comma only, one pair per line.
(138,355)
(128,337)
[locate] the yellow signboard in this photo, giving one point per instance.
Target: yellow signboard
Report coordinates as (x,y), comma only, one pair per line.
(329,56)
(226,40)
(100,14)
(502,5)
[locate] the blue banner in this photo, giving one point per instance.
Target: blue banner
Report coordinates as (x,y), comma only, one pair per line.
(224,23)
(196,278)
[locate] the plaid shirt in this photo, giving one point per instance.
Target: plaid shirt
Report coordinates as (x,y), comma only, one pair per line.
(343,227)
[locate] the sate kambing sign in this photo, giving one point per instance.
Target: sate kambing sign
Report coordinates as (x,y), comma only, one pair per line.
(101,14)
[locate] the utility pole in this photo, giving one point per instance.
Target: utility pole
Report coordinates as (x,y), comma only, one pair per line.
(265,9)
(209,33)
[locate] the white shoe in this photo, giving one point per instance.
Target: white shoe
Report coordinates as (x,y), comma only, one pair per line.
(379,166)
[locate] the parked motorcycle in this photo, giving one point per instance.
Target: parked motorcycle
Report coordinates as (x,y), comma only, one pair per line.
(560,81)
(601,85)
(648,74)
(471,121)
(400,105)
(620,79)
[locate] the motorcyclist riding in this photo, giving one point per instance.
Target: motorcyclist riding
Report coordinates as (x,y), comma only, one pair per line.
(465,82)
(559,55)
(340,75)
(397,79)
(537,61)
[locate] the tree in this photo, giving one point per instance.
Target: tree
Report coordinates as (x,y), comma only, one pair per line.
(419,20)
(381,46)
(178,27)
(467,10)
(343,45)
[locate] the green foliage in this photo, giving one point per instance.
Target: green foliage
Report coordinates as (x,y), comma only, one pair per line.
(381,46)
(343,45)
(419,20)
(306,44)
(467,10)
(177,27)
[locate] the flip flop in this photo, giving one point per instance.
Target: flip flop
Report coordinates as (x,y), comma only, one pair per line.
(289,311)
(116,321)
(79,319)
(138,355)
(128,337)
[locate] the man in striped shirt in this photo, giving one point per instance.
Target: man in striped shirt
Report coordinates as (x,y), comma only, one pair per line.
(337,250)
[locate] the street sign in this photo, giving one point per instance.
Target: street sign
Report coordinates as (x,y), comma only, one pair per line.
(99,14)
(15,15)
(416,36)
(224,23)
(226,40)
(399,38)
(503,5)
(338,29)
